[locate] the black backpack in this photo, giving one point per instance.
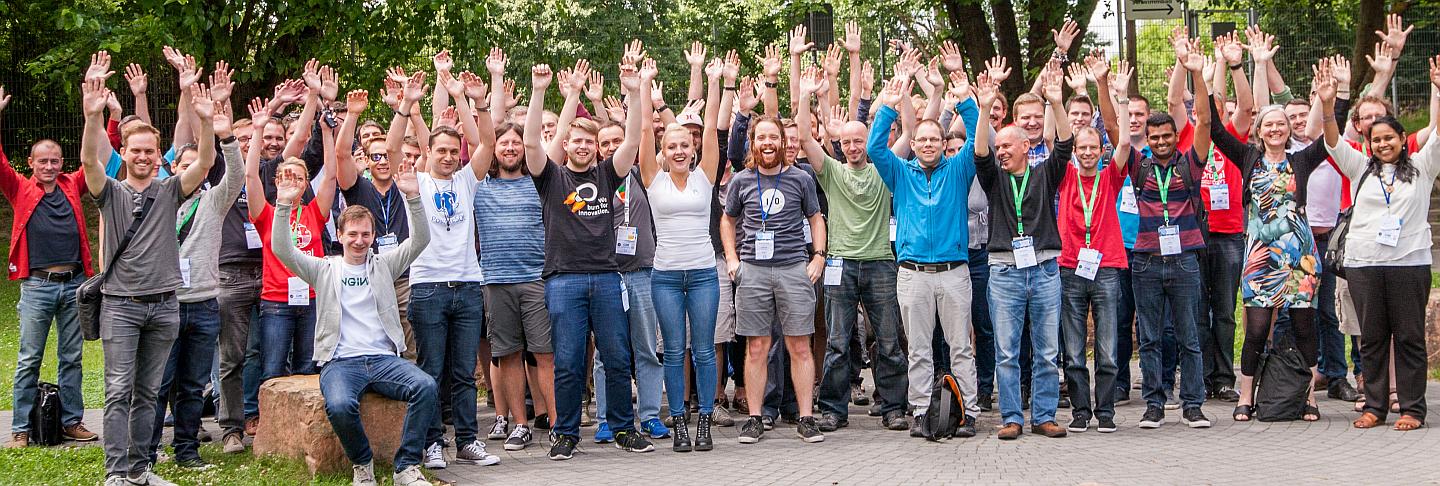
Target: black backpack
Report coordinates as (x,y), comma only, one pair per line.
(45,426)
(1282,384)
(947,409)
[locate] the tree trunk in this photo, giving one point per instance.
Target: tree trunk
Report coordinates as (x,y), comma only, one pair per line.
(967,22)
(1369,19)
(1007,35)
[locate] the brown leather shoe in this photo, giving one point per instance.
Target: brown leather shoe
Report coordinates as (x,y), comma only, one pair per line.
(1049,429)
(1011,431)
(252,424)
(18,440)
(79,433)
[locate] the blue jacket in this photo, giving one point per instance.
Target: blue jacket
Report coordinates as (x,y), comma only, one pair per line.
(930,211)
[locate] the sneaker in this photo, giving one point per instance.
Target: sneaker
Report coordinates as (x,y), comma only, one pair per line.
(721,417)
(1342,390)
(808,430)
(874,410)
(234,444)
(363,475)
(1105,425)
(895,420)
(831,422)
(1227,394)
(1064,402)
(1078,424)
(631,441)
(149,478)
(703,441)
(19,440)
(603,435)
(917,427)
(117,481)
(498,431)
(435,457)
(1154,416)
(1049,429)
(752,430)
(542,422)
(768,422)
(655,429)
(519,439)
(410,476)
(968,430)
(682,435)
(858,395)
(77,432)
(194,464)
(1194,418)
(474,453)
(564,447)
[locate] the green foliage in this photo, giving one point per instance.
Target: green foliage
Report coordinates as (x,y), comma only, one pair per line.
(70,465)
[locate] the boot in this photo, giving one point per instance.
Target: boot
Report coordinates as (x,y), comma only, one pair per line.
(681,433)
(702,434)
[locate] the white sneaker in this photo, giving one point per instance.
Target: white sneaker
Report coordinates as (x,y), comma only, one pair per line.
(364,475)
(519,438)
(117,481)
(497,431)
(474,453)
(434,458)
(410,476)
(150,479)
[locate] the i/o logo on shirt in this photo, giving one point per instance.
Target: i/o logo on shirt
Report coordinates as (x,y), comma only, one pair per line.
(772,201)
(582,196)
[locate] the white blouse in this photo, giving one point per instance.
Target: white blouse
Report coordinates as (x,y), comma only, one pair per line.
(682,222)
(1410,201)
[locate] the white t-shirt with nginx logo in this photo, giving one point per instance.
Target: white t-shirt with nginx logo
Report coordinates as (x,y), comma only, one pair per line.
(361,333)
(449,206)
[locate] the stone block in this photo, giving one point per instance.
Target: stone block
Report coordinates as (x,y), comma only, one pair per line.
(293,424)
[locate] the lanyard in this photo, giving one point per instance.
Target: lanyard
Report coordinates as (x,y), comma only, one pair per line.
(1386,189)
(760,194)
(189,213)
(1088,205)
(625,195)
(1165,189)
(1018,195)
(385,209)
(295,225)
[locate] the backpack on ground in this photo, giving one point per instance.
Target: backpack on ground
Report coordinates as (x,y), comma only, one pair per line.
(1282,384)
(947,409)
(45,426)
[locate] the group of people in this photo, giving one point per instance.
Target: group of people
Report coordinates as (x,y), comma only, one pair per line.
(671,251)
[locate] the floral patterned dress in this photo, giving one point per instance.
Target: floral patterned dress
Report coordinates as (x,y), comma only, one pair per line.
(1282,266)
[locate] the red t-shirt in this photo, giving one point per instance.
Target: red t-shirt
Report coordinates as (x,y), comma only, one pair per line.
(1104,224)
(1219,171)
(307,229)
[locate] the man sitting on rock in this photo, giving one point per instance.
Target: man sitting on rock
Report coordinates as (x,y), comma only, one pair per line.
(358,338)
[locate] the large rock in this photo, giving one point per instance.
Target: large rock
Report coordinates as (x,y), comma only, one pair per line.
(293,424)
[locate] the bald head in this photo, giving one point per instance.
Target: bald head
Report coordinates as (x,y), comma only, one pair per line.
(46,161)
(1011,144)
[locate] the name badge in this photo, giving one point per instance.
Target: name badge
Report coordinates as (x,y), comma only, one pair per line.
(299,291)
(624,296)
(1219,196)
(1127,202)
(1089,263)
(1169,240)
(893,228)
(252,237)
(386,243)
(1024,247)
(834,268)
(625,240)
(806,225)
(1389,231)
(185,272)
(764,245)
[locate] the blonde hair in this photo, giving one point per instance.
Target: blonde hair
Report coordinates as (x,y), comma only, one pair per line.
(137,128)
(297,163)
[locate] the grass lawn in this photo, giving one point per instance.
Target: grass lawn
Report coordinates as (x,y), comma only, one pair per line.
(93,382)
(86,465)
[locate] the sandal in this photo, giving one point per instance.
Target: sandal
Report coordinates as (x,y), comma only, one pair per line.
(1242,411)
(1312,413)
(1407,423)
(1394,403)
(1367,420)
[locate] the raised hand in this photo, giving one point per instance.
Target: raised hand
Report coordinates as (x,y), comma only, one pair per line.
(1096,63)
(714,69)
(835,121)
(135,75)
(415,87)
(329,84)
(657,93)
(1434,79)
(1050,82)
(831,61)
(1191,58)
(731,70)
(93,96)
(259,112)
(960,87)
(508,89)
(579,75)
(475,87)
(1262,45)
(540,77)
(202,102)
(909,64)
(634,52)
(747,96)
(693,107)
(648,70)
(770,63)
(950,56)
(629,78)
(311,75)
(405,180)
(1395,33)
(853,41)
(987,88)
(1383,61)
(443,63)
(222,122)
(1340,70)
(220,84)
(356,101)
(113,103)
(452,85)
(397,74)
(448,118)
(1231,50)
(867,78)
(289,186)
(1208,72)
(1324,83)
(695,56)
(4,99)
(998,69)
(595,88)
(1120,79)
(174,57)
(614,108)
(895,91)
(1065,36)
(566,83)
(496,61)
(932,73)
(1077,77)
(798,45)
(392,93)
(811,81)
(99,67)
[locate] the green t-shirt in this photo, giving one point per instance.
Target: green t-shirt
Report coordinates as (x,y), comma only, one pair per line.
(858,226)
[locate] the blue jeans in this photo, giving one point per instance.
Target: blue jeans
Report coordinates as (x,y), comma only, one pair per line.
(1082,298)
(979,264)
(581,303)
(1015,294)
(186,374)
(1224,257)
(287,339)
(42,302)
(649,375)
(1124,331)
(345,380)
(692,295)
(1327,323)
(1168,284)
(447,320)
(871,284)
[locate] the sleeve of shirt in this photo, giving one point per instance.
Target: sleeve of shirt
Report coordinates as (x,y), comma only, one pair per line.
(735,146)
(9,179)
(733,204)
(112,166)
(862,110)
(1186,138)
(1350,161)
(877,147)
(103,199)
(986,171)
(1058,161)
(810,203)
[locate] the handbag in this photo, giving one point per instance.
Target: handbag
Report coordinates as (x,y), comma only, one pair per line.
(1283,384)
(45,426)
(88,295)
(1334,258)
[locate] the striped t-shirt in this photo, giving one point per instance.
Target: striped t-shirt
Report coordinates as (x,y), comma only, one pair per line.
(1179,202)
(511,229)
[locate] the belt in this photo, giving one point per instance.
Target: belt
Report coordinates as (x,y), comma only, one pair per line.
(55,276)
(150,298)
(445,284)
(931,267)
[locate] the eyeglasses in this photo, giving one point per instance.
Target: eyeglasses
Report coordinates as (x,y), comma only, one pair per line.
(378,157)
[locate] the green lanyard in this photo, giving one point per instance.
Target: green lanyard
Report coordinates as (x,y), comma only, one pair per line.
(299,212)
(1088,205)
(1019,196)
(1165,189)
(189,213)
